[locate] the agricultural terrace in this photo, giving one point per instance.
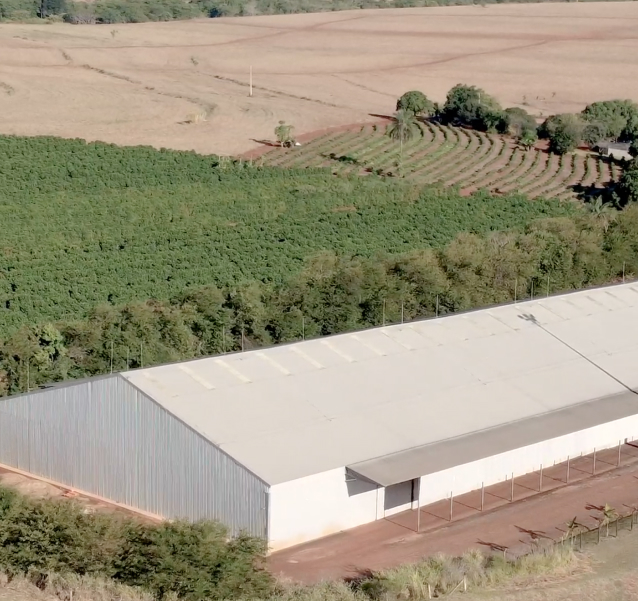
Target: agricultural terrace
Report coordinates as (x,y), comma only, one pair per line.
(466,158)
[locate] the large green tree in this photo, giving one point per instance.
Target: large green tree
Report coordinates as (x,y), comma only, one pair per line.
(627,189)
(517,121)
(472,106)
(415,102)
(617,119)
(564,132)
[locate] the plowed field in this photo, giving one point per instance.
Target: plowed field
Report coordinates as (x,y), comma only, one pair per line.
(184,85)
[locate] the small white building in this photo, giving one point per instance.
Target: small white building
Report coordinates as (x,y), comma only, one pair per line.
(299,441)
(615,150)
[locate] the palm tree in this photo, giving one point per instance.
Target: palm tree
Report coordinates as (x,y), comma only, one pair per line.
(403,128)
(603,211)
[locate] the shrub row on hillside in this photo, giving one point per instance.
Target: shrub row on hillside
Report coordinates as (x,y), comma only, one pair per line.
(598,124)
(469,106)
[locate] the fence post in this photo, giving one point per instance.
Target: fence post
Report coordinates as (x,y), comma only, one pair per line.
(619,448)
(540,479)
(482,494)
(512,489)
(451,504)
(567,476)
(598,541)
(594,467)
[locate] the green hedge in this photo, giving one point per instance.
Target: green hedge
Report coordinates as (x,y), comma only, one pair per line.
(193,561)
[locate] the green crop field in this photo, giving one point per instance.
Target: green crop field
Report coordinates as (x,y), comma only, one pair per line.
(465,158)
(82,224)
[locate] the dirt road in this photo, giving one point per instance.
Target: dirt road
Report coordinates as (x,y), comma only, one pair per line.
(503,524)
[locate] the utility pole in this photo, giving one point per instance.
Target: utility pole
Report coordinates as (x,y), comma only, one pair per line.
(251,81)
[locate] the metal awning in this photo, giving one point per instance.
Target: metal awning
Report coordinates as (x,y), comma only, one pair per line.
(429,459)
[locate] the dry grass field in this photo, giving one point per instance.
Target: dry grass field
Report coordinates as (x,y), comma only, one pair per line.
(184,85)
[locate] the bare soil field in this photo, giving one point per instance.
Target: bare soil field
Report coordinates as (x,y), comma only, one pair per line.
(155,83)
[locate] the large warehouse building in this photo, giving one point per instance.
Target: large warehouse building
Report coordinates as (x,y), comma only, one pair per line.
(302,440)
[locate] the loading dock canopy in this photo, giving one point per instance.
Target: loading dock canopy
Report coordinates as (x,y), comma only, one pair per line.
(429,459)
(400,401)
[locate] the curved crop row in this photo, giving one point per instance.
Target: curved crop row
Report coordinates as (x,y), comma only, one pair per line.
(455,157)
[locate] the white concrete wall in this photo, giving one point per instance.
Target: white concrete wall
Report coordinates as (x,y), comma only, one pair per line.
(323,504)
(467,477)
(326,503)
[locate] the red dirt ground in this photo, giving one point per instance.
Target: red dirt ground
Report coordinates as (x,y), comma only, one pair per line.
(37,488)
(513,525)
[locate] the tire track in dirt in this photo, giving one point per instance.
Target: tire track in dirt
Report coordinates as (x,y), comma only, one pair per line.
(271,91)
(280,32)
(7,89)
(208,107)
(429,63)
(362,87)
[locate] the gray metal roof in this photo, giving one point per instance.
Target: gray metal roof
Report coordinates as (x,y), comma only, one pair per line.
(388,393)
(614,146)
(428,459)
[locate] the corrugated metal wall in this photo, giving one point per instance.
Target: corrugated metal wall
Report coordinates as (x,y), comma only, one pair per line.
(105,437)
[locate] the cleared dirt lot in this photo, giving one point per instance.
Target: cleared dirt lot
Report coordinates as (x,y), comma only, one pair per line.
(139,84)
(514,526)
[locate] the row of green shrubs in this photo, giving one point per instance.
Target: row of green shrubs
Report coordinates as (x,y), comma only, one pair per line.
(190,561)
(61,548)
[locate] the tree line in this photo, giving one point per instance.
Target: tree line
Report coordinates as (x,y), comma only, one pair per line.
(334,293)
(139,11)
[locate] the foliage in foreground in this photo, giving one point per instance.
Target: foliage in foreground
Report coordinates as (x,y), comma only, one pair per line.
(85,224)
(190,561)
(406,582)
